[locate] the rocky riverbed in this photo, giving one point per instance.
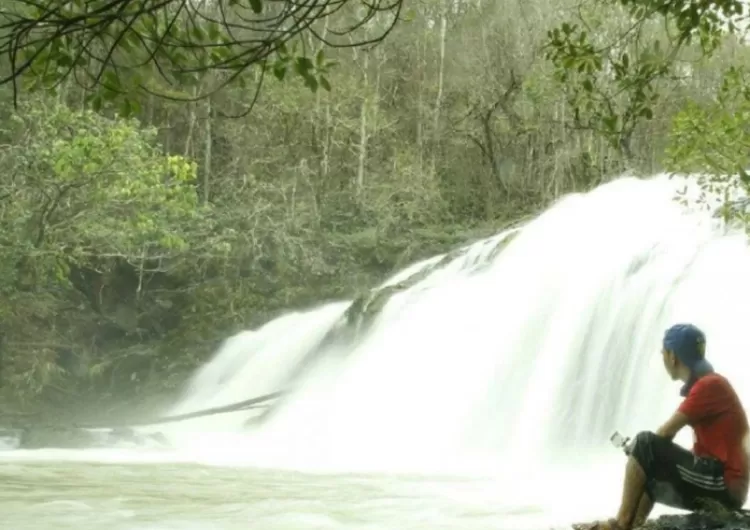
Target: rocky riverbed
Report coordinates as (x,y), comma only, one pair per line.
(61,437)
(701,521)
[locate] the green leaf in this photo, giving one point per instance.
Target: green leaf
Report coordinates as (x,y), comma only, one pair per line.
(107,94)
(324,83)
(257,6)
(610,122)
(96,102)
(311,83)
(111,80)
(303,65)
(213,32)
(198,33)
(279,70)
(129,107)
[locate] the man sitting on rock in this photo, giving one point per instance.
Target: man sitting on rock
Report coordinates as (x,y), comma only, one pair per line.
(658,470)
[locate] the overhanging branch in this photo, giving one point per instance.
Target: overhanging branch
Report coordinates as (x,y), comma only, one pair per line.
(113,45)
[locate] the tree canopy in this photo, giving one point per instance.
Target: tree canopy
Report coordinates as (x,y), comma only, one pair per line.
(116,48)
(615,81)
(145,217)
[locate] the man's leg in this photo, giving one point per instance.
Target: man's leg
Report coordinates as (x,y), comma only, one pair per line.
(633,495)
(658,470)
(650,476)
(644,509)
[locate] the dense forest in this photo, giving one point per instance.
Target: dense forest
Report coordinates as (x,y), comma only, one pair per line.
(138,228)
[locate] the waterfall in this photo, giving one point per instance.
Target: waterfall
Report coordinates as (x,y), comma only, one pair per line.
(519,353)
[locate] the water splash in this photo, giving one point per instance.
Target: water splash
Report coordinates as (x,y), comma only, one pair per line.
(515,357)
(530,347)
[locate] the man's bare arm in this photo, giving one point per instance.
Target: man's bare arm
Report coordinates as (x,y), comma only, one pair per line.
(673,425)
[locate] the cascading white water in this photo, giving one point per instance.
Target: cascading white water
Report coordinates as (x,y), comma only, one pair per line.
(515,359)
(526,359)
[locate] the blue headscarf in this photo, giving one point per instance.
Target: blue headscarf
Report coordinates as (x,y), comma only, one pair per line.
(689,345)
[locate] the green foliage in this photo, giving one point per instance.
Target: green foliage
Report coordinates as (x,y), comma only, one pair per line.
(713,139)
(84,193)
(713,136)
(704,21)
(618,86)
(86,186)
(312,73)
(613,87)
(609,91)
(120,50)
(131,248)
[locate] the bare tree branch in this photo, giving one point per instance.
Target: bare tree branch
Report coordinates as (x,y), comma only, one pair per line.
(109,44)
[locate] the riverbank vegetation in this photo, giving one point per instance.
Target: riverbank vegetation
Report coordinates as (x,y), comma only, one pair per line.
(146,216)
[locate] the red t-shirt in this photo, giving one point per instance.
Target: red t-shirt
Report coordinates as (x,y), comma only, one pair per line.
(716,415)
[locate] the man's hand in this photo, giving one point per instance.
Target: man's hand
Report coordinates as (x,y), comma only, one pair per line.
(673,425)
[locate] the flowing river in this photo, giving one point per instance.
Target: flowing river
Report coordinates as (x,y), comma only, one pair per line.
(478,392)
(57,493)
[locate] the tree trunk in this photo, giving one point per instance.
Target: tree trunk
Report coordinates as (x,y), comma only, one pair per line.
(191,126)
(422,61)
(207,155)
(439,96)
(363,127)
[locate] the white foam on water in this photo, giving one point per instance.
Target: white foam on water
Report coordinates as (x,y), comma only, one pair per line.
(515,363)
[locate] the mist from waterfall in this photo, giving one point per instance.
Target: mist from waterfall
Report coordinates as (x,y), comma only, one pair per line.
(502,367)
(520,354)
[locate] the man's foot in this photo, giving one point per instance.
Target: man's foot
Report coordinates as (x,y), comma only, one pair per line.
(609,524)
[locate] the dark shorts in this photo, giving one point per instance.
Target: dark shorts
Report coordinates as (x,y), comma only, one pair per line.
(676,477)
